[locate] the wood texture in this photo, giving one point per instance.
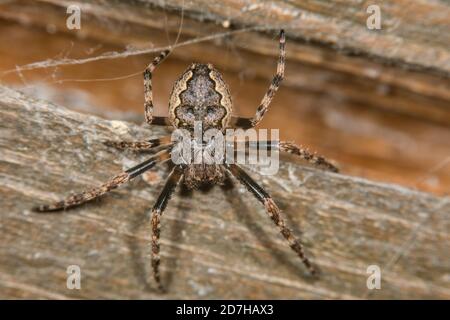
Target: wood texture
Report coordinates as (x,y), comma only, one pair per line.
(415,35)
(374,100)
(214,244)
(405,57)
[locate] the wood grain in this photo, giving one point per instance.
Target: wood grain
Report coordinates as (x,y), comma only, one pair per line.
(215,244)
(367,67)
(383,116)
(414,35)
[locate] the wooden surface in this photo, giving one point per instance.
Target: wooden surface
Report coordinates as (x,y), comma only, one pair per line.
(214,244)
(376,101)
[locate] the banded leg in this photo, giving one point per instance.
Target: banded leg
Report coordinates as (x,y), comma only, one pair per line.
(273,211)
(161,121)
(247,123)
(158,208)
(113,183)
(139,145)
(289,147)
(314,159)
(148,94)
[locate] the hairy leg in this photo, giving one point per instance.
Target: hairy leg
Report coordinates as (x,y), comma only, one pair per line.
(247,123)
(139,145)
(273,211)
(289,147)
(314,159)
(148,92)
(161,121)
(113,183)
(161,203)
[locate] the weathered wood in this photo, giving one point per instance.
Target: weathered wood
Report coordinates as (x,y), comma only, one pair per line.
(213,245)
(405,67)
(383,118)
(414,34)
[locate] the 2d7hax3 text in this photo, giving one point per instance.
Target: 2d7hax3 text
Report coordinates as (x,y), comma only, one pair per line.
(226,309)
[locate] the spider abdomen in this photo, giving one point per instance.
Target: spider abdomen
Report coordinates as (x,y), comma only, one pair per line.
(200,94)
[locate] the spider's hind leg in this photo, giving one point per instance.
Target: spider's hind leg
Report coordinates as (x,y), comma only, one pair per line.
(273,211)
(161,203)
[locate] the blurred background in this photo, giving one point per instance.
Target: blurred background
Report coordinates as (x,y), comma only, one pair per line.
(375,101)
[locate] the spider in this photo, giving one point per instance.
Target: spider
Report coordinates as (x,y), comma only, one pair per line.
(199,94)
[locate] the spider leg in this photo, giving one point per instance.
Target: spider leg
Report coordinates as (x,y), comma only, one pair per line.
(289,147)
(272,210)
(314,159)
(161,203)
(247,123)
(113,183)
(148,93)
(139,145)
(161,121)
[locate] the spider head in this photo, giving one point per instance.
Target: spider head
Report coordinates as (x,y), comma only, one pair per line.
(200,94)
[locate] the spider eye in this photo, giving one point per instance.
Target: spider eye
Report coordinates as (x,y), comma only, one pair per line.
(190,111)
(210,110)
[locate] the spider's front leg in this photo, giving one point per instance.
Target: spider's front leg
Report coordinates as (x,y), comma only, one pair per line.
(113,183)
(314,159)
(148,91)
(273,211)
(139,145)
(290,147)
(247,123)
(161,203)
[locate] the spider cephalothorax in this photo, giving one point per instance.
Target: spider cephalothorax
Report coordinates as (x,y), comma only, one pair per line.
(199,95)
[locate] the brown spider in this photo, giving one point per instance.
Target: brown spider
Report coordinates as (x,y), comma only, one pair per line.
(200,94)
